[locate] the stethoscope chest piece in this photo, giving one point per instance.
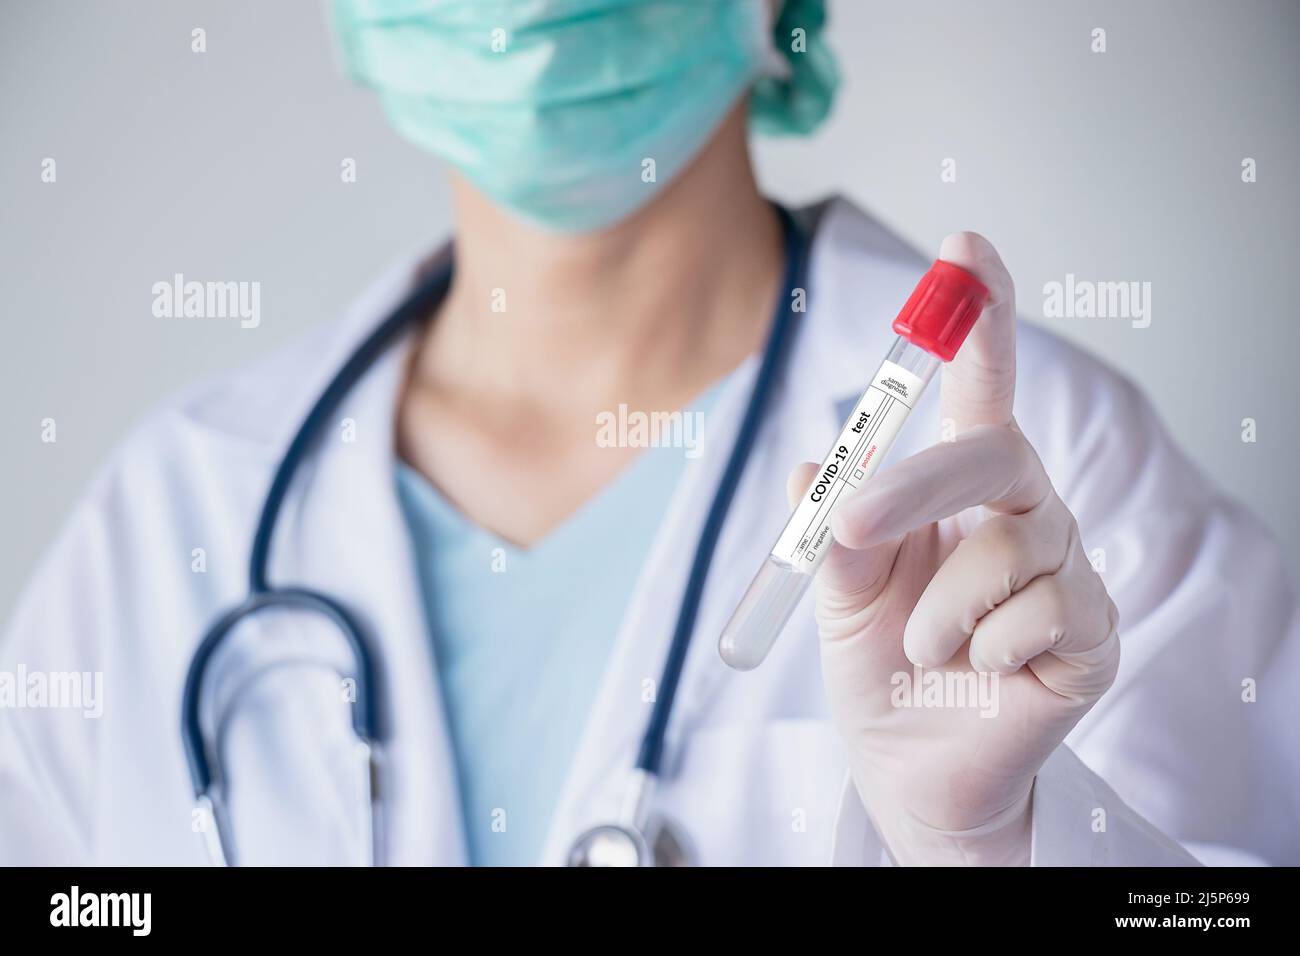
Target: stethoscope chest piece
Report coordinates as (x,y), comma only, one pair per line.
(614,845)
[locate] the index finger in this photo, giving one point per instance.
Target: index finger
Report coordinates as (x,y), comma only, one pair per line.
(991,466)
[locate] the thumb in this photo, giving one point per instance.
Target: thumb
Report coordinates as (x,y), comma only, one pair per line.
(979,385)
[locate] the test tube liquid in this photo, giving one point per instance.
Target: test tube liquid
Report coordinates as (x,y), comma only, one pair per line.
(931,328)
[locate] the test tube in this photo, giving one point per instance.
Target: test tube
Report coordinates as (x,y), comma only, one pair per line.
(931,328)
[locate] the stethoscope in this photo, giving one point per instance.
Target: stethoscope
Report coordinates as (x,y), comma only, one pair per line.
(638,837)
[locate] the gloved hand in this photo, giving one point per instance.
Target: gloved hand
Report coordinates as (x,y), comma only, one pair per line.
(961,559)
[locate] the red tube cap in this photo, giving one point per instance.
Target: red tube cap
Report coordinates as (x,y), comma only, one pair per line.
(941,310)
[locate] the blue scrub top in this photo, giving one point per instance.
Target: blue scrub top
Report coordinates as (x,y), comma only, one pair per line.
(521,638)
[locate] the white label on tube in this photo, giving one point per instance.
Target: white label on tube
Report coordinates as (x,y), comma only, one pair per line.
(857,453)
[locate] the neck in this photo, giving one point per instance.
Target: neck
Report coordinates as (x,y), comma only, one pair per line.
(653,308)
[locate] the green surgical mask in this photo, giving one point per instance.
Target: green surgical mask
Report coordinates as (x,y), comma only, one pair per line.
(574,113)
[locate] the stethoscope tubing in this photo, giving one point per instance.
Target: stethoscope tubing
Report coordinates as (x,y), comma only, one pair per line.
(366,715)
(650,754)
(204,762)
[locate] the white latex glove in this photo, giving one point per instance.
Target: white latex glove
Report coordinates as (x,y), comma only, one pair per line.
(961,559)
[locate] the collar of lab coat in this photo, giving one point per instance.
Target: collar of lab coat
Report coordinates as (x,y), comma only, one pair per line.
(342,532)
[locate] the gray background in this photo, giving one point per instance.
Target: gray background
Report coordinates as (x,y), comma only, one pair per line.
(225,165)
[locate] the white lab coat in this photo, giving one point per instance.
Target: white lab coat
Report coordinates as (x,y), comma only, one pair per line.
(1171,760)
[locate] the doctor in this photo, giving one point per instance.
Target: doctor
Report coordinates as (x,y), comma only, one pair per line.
(520,579)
